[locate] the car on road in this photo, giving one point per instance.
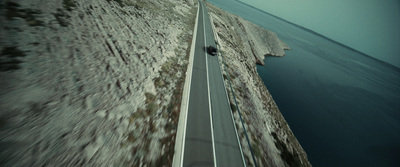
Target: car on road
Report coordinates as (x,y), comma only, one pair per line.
(212,50)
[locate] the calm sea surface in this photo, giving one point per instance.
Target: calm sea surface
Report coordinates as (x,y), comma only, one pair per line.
(343,106)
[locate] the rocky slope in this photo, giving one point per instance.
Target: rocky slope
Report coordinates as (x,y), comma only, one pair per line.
(243,45)
(92,82)
(99,82)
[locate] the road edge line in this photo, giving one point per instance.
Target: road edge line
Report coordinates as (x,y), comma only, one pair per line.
(226,93)
(209,96)
(181,130)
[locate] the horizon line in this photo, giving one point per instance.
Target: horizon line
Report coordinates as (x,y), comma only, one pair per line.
(318,34)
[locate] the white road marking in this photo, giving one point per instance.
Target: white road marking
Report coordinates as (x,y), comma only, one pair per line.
(208,87)
(189,74)
(226,94)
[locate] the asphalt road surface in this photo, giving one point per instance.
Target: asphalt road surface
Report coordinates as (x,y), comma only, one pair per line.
(210,138)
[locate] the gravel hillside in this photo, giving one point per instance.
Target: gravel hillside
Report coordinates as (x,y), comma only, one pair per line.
(92,82)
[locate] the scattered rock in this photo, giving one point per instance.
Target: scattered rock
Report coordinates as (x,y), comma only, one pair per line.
(74,77)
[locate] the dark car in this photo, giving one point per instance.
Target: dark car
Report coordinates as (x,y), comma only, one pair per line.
(212,50)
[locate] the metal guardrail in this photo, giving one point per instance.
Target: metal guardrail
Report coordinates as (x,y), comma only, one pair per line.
(237,107)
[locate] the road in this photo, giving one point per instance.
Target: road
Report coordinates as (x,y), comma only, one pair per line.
(210,136)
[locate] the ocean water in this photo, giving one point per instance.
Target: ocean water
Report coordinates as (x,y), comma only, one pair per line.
(343,106)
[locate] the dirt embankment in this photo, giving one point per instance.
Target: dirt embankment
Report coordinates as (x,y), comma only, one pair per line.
(243,45)
(92,83)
